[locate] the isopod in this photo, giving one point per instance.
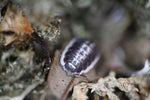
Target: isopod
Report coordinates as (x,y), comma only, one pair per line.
(79,57)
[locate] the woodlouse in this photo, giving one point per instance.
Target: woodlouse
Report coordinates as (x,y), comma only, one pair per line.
(79,57)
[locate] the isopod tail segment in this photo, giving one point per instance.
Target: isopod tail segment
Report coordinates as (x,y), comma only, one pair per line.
(79,57)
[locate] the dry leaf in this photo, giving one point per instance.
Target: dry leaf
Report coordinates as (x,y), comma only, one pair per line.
(79,93)
(14,21)
(60,84)
(58,80)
